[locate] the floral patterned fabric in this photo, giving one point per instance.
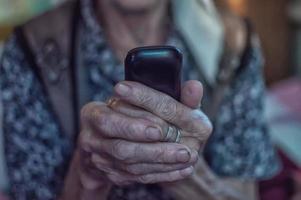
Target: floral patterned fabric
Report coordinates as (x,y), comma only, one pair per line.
(38,153)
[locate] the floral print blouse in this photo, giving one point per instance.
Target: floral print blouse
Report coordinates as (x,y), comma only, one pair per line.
(38,153)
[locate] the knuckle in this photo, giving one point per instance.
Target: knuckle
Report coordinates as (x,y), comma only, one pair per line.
(143,97)
(187,176)
(85,109)
(209,128)
(160,154)
(206,129)
(88,182)
(145,179)
(84,140)
(119,150)
(170,177)
(168,108)
(173,176)
(194,157)
(100,117)
(134,129)
(200,124)
(179,177)
(189,173)
(92,111)
(84,112)
(193,127)
(113,125)
(136,151)
(118,179)
(134,169)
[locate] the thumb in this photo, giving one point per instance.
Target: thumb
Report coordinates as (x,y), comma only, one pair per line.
(192,94)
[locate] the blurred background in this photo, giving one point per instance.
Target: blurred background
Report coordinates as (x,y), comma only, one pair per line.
(278,23)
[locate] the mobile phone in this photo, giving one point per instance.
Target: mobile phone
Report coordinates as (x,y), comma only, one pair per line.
(158,67)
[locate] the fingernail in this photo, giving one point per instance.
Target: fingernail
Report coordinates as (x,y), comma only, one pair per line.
(189,91)
(122,89)
(183,155)
(153,133)
(187,172)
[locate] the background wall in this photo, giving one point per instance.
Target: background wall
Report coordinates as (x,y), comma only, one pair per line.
(272,23)
(14,12)
(295,17)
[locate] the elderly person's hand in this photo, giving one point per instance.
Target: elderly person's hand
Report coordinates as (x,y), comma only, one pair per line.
(142,136)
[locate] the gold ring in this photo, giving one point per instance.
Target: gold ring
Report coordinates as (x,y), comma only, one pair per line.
(112,102)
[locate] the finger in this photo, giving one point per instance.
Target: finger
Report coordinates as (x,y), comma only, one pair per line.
(90,111)
(193,141)
(102,163)
(130,152)
(147,153)
(136,112)
(121,178)
(112,124)
(88,167)
(151,100)
(145,168)
(164,107)
(88,182)
(133,111)
(136,169)
(192,93)
(89,176)
(105,164)
(166,177)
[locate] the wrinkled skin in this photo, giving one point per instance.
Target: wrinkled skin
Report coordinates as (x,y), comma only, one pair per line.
(124,143)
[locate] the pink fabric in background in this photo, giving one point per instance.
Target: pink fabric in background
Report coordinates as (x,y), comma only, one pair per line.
(282,186)
(288,93)
(3,197)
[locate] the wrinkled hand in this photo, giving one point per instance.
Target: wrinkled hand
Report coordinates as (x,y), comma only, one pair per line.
(124,142)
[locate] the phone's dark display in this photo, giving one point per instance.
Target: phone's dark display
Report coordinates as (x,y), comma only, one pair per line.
(158,67)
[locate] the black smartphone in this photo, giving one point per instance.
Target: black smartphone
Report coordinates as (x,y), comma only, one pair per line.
(158,67)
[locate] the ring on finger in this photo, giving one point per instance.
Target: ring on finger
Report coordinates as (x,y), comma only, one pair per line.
(169,133)
(173,134)
(179,135)
(112,102)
